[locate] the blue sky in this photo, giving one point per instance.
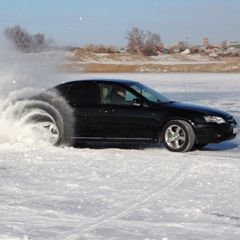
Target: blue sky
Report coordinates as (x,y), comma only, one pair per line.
(83,22)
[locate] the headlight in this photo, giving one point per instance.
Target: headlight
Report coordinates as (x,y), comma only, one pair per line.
(214,119)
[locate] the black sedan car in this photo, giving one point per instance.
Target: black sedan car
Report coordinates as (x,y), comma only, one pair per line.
(126,111)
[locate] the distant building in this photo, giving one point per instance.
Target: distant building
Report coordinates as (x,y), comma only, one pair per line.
(234,44)
(205,42)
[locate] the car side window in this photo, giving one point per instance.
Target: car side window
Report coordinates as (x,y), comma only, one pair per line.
(82,93)
(62,90)
(113,94)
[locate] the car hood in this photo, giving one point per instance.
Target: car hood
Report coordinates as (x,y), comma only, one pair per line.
(196,109)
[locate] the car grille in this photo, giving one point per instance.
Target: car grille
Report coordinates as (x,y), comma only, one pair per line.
(231,120)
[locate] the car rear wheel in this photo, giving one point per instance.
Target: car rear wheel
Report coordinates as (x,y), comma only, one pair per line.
(44,122)
(46,130)
(178,136)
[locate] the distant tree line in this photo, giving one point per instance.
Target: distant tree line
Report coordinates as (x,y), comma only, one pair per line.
(27,42)
(138,42)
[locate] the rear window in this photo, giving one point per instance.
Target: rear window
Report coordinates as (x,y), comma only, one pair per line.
(82,93)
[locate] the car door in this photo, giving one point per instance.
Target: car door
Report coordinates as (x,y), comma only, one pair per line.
(82,97)
(121,119)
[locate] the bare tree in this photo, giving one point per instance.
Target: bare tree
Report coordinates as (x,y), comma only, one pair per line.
(25,41)
(135,39)
(19,37)
(39,41)
(139,41)
(152,44)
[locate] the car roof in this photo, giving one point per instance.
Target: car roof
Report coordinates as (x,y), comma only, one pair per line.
(109,80)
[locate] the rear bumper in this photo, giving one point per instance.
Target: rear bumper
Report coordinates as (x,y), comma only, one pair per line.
(215,133)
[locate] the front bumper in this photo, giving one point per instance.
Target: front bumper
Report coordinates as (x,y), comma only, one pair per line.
(215,133)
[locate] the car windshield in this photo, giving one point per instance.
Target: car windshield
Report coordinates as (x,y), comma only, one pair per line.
(149,93)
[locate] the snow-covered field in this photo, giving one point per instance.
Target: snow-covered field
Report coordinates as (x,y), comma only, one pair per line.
(121,192)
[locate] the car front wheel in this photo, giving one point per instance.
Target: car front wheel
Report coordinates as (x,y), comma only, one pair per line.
(178,136)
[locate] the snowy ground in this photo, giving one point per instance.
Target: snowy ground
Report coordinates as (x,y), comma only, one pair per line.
(121,192)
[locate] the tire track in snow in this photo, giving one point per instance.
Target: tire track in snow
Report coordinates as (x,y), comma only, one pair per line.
(170,183)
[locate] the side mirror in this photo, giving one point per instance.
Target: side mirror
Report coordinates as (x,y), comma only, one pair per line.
(137,102)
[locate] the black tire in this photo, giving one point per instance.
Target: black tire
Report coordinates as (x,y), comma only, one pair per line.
(178,136)
(45,121)
(45,129)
